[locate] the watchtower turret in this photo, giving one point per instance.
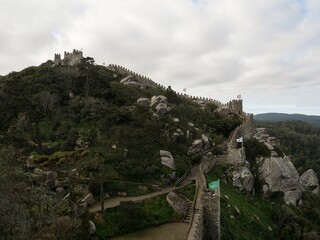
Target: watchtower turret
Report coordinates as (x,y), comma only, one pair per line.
(57,59)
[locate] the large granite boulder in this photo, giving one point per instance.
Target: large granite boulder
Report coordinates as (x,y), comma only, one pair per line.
(310,181)
(92,228)
(200,145)
(223,111)
(161,108)
(279,174)
(261,134)
(144,102)
(129,80)
(292,197)
(157,99)
(206,142)
(243,179)
(196,147)
(161,104)
(178,203)
(167,159)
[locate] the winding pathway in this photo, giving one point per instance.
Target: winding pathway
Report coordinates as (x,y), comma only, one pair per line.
(194,175)
(197,202)
(115,201)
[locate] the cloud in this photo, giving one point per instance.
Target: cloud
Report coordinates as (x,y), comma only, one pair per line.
(263,50)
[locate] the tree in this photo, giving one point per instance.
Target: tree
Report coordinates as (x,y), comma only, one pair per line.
(24,209)
(46,100)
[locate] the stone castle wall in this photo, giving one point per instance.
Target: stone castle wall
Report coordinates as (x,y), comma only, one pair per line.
(146,81)
(70,58)
(208,220)
(234,105)
(211,215)
(236,154)
(199,232)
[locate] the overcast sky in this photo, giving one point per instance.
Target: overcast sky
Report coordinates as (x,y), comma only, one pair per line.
(266,50)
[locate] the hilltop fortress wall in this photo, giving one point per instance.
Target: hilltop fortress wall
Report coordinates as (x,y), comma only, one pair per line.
(236,153)
(208,223)
(145,81)
(73,58)
(234,105)
(70,58)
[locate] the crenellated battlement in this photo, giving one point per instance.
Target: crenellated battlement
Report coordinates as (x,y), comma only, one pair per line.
(57,58)
(145,81)
(234,105)
(74,58)
(70,58)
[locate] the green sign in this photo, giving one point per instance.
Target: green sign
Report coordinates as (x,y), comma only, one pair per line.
(214,185)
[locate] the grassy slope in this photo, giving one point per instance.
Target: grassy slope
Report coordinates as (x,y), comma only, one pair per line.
(129,217)
(255,213)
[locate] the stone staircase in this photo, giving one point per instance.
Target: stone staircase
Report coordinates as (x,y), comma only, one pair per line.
(189,213)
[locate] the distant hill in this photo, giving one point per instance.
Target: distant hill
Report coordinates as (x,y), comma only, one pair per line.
(277,117)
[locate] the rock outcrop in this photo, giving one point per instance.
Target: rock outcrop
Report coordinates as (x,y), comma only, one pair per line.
(92,228)
(158,103)
(129,80)
(178,203)
(158,99)
(167,159)
(161,104)
(243,179)
(200,145)
(310,181)
(223,111)
(144,102)
(279,174)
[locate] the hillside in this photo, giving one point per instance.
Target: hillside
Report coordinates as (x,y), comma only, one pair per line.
(301,140)
(71,135)
(278,117)
(80,139)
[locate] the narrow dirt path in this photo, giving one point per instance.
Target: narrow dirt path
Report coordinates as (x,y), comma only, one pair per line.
(197,205)
(115,201)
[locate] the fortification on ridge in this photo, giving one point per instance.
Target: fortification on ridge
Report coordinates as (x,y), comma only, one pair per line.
(234,105)
(74,58)
(71,59)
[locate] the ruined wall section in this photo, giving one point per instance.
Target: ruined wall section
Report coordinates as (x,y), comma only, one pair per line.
(236,154)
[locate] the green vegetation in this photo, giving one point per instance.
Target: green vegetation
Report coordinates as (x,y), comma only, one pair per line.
(52,112)
(129,217)
(114,187)
(250,217)
(188,191)
(81,126)
(300,140)
(255,149)
(242,217)
(283,117)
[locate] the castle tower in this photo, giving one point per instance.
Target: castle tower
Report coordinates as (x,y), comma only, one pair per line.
(236,106)
(72,58)
(57,59)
